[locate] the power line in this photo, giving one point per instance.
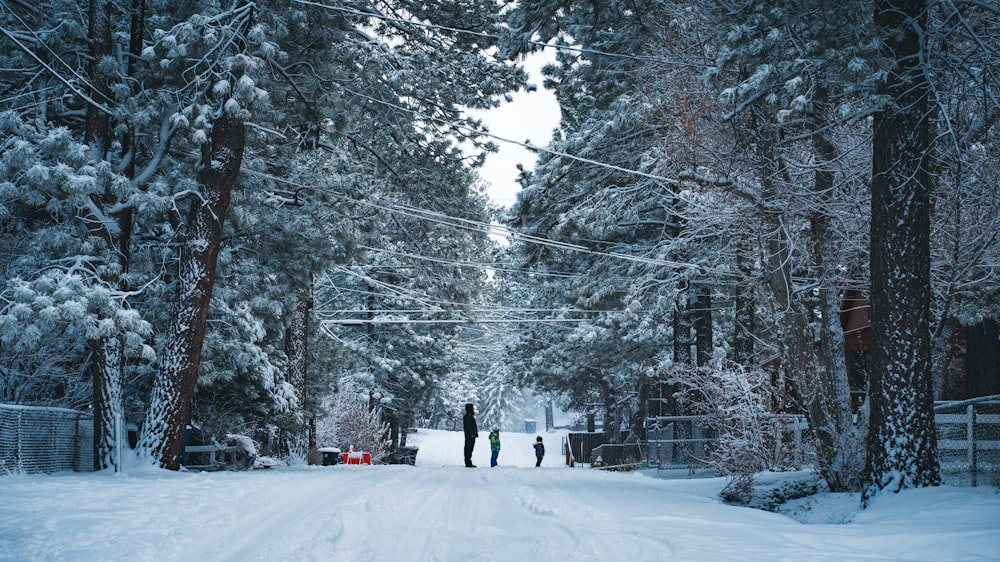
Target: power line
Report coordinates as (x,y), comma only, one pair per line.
(377,321)
(499,230)
(474,132)
(475,265)
(474,315)
(490,310)
(484,35)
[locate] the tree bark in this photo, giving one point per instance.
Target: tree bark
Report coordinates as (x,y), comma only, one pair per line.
(682,347)
(682,327)
(297,348)
(797,353)
(746,315)
(612,427)
(839,438)
(902,443)
(173,389)
(107,352)
(703,326)
(108,403)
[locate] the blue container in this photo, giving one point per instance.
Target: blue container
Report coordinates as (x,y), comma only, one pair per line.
(529,426)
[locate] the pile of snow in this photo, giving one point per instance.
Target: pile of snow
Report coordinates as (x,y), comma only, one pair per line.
(439,510)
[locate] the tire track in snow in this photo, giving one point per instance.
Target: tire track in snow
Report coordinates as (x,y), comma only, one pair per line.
(437,523)
(586,513)
(455,516)
(377,528)
(296,523)
(423,514)
(529,529)
(240,538)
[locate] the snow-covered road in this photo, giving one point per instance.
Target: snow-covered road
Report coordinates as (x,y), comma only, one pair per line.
(441,511)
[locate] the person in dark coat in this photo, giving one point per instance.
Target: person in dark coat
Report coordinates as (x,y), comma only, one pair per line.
(539,451)
(471,432)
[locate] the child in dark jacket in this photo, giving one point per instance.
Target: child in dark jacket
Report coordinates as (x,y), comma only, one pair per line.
(539,451)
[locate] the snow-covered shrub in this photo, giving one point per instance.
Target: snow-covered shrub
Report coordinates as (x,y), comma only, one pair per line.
(738,401)
(350,422)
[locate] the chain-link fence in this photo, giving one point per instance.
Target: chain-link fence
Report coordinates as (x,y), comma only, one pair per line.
(685,441)
(36,439)
(679,442)
(969,441)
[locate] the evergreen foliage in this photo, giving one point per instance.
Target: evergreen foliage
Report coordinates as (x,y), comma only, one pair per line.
(232,213)
(346,110)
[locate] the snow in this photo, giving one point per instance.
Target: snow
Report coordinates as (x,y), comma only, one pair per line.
(439,510)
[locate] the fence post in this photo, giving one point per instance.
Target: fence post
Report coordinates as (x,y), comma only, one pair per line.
(671,435)
(971,432)
(798,441)
(776,432)
(76,444)
(19,436)
(118,442)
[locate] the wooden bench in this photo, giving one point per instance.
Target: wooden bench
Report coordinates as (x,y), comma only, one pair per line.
(217,455)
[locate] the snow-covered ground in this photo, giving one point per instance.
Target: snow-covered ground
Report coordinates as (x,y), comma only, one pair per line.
(442,511)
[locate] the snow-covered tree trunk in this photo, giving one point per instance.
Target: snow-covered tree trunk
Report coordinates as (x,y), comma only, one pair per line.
(612,417)
(108,356)
(108,403)
(792,318)
(682,327)
(297,347)
(830,408)
(796,333)
(173,387)
(746,315)
(840,439)
(97,127)
(391,419)
(819,375)
(902,443)
(703,326)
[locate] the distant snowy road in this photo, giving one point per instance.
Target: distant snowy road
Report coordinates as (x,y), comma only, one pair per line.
(441,511)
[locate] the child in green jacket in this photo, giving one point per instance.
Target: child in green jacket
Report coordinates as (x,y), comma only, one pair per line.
(494,446)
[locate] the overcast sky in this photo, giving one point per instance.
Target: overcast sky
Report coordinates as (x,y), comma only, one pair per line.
(530,116)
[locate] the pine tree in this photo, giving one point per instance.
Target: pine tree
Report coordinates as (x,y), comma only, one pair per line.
(610,188)
(786,89)
(902,442)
